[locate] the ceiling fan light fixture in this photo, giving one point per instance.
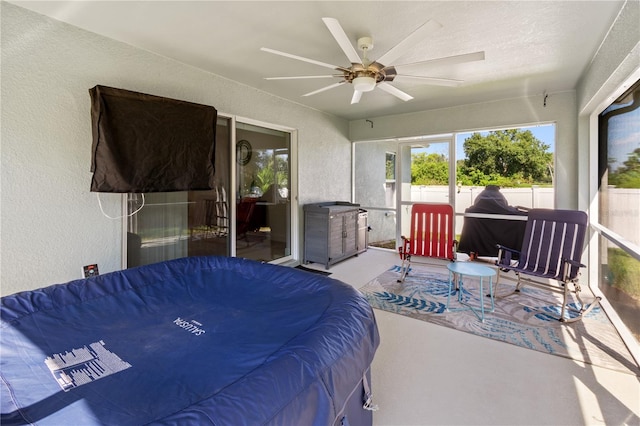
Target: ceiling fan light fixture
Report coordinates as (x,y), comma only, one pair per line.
(364,83)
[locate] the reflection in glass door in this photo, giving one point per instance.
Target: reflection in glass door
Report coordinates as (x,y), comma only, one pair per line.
(263,188)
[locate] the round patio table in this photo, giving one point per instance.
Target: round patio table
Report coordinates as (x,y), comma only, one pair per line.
(459,270)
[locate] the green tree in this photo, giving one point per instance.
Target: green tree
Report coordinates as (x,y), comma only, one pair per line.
(627,175)
(503,156)
(429,169)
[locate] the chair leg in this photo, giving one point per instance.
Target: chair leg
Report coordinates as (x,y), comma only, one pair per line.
(518,284)
(495,288)
(404,268)
(591,306)
(582,311)
(565,296)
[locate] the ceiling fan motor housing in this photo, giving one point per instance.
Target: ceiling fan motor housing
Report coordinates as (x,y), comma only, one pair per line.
(374,70)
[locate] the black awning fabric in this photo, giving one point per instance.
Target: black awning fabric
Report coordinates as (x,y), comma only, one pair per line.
(146,143)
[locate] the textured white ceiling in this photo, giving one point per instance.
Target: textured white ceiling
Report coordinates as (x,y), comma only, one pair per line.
(531,47)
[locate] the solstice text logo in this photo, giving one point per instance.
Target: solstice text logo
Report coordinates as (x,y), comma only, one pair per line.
(192,326)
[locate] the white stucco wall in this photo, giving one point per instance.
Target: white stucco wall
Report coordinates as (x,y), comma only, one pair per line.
(560,108)
(51,224)
(617,58)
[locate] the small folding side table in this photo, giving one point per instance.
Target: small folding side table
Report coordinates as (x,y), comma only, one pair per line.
(457,271)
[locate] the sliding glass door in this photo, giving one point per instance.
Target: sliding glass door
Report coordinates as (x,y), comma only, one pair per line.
(248,216)
(263,202)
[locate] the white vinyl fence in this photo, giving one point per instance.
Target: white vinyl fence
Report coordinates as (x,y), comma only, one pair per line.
(534,197)
(623,215)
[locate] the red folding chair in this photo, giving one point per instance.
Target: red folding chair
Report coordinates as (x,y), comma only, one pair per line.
(431,235)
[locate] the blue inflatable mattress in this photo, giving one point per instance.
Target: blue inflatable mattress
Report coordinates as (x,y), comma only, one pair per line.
(205,340)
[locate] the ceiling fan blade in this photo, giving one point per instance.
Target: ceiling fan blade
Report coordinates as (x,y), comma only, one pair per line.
(325,88)
(301,58)
(394,91)
(356,97)
(302,77)
(435,81)
(449,60)
(406,44)
(341,37)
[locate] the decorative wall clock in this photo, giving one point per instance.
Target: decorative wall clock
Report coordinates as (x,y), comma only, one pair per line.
(243,152)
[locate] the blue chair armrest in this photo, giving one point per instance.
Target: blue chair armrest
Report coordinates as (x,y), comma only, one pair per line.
(568,274)
(504,255)
(501,247)
(574,263)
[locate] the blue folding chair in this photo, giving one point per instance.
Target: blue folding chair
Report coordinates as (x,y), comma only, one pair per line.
(550,257)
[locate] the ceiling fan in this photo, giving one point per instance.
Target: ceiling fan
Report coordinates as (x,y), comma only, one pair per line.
(365,75)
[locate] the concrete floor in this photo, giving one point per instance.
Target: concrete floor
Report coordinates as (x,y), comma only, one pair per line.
(424,374)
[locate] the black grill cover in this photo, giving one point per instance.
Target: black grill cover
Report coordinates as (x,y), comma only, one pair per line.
(146,143)
(481,235)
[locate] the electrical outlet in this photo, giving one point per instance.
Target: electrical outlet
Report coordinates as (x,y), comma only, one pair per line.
(90,270)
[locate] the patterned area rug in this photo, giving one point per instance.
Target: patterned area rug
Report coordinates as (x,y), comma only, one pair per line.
(520,319)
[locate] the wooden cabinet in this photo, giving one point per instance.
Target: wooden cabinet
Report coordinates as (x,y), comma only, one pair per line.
(330,232)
